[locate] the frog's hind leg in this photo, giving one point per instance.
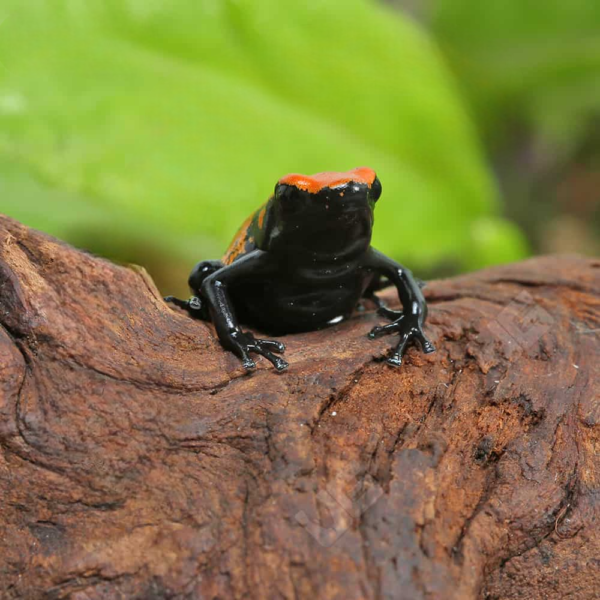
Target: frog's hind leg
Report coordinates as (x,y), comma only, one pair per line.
(201,271)
(377,284)
(196,306)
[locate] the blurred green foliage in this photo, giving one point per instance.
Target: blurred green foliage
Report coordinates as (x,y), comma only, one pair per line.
(530,73)
(146,130)
(532,61)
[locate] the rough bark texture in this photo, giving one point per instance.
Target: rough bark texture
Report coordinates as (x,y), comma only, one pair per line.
(137,460)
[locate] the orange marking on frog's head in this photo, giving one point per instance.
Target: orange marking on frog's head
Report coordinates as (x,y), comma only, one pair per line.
(329,179)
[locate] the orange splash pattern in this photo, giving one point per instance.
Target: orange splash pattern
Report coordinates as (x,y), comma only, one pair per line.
(315,183)
(238,244)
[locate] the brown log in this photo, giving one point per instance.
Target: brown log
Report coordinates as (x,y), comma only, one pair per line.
(137,460)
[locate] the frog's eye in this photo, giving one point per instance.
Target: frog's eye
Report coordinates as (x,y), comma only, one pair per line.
(279,188)
(375,189)
(287,196)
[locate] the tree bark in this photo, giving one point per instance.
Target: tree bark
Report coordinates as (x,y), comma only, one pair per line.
(138,460)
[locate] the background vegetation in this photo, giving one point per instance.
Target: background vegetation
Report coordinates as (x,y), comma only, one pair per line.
(146,130)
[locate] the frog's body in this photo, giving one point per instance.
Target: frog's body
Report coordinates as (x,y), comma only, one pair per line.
(301,262)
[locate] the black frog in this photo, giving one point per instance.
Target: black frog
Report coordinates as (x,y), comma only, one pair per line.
(301,262)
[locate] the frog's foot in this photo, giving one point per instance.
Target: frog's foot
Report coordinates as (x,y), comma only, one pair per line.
(244,343)
(409,329)
(193,306)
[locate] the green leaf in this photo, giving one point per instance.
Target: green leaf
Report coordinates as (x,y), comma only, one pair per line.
(174,118)
(494,241)
(536,61)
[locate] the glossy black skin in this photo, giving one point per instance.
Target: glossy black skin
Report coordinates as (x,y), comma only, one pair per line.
(309,264)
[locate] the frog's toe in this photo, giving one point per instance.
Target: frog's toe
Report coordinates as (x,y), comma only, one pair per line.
(394,361)
(176,301)
(380,330)
(248,364)
(280,364)
(428,347)
(388,313)
(193,306)
(276,361)
(272,345)
(375,332)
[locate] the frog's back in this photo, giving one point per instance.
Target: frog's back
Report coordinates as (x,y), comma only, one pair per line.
(247,237)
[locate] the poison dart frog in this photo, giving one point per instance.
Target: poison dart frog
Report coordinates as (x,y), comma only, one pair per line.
(301,262)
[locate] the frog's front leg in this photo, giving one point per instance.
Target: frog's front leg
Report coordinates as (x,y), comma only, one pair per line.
(408,323)
(215,289)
